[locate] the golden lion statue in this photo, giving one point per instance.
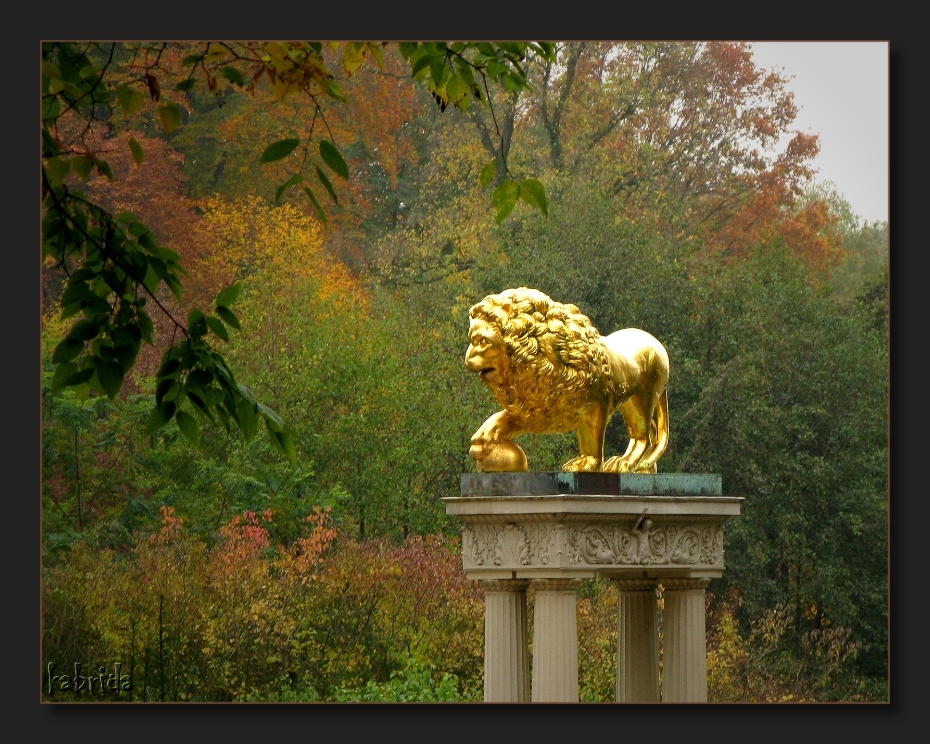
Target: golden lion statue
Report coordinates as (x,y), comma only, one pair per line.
(552,371)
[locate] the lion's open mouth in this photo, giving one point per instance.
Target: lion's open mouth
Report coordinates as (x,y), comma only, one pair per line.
(486,371)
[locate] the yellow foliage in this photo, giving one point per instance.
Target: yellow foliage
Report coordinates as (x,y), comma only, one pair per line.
(764,666)
(249,240)
(597,642)
(186,620)
(451,221)
(726,660)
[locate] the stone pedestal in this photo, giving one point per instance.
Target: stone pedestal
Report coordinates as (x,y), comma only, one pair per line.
(506,663)
(684,678)
(553,528)
(637,641)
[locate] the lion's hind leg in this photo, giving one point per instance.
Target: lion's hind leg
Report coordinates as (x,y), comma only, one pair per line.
(583,463)
(658,438)
(643,466)
(637,415)
(612,464)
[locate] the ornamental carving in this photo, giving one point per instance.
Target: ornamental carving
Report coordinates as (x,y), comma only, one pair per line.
(480,544)
(540,540)
(711,545)
(492,545)
(645,544)
(513,550)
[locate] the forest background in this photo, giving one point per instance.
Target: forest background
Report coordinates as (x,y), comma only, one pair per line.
(316,563)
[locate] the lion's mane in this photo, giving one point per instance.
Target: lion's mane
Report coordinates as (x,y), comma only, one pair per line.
(556,358)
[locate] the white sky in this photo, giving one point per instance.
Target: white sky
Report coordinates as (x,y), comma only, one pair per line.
(841,91)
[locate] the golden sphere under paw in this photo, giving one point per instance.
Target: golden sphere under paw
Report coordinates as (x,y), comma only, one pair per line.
(506,457)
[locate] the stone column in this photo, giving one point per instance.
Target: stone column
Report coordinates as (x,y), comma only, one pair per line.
(637,642)
(506,661)
(555,641)
(684,677)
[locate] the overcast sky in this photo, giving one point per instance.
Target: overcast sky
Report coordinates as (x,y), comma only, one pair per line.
(841,89)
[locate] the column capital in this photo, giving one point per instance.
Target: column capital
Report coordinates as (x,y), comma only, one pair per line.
(556,585)
(684,585)
(636,585)
(504,585)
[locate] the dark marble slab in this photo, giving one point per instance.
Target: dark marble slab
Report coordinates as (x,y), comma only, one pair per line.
(539,484)
(590,484)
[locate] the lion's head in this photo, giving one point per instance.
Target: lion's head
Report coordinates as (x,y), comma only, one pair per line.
(540,358)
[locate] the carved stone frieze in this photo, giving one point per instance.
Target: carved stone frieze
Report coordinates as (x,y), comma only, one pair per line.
(479,545)
(514,550)
(592,544)
(646,544)
(542,540)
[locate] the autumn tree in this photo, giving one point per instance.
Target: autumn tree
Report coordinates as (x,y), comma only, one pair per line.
(113,261)
(691,138)
(865,244)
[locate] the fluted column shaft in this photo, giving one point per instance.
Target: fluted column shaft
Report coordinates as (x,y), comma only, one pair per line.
(555,641)
(506,661)
(637,642)
(684,677)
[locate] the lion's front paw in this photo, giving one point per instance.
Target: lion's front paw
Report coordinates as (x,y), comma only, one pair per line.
(584,463)
(491,432)
(481,444)
(477,452)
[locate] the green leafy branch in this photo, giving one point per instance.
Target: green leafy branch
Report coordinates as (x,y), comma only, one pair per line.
(511,189)
(71,81)
(451,68)
(120,268)
(114,267)
(195,377)
(329,154)
(451,71)
(289,68)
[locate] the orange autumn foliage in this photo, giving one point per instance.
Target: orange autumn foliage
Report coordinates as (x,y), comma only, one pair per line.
(154,191)
(810,232)
(692,140)
(244,617)
(249,240)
